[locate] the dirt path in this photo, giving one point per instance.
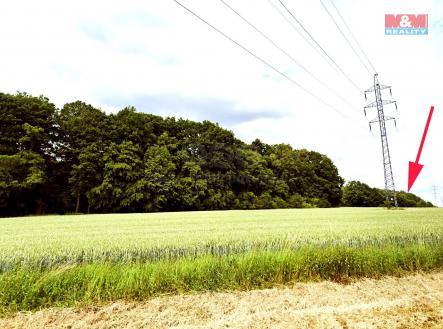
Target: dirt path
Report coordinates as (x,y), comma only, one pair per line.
(408,302)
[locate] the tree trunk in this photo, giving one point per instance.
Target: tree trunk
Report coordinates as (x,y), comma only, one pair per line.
(77,206)
(40,209)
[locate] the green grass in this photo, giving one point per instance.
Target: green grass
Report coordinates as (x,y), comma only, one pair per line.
(63,260)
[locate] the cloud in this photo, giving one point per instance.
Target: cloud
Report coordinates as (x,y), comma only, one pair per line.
(123,32)
(140,18)
(94,32)
(225,112)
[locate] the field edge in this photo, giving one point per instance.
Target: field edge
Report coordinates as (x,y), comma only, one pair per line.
(96,283)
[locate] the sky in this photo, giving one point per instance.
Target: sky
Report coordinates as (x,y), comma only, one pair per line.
(156,56)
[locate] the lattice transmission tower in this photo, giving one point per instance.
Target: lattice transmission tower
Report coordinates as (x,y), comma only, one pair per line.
(435,193)
(381,120)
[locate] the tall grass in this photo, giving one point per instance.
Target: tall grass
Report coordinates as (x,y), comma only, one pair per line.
(27,290)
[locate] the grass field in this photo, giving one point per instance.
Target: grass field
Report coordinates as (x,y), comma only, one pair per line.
(63,260)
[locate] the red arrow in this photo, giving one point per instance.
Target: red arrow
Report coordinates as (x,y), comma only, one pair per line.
(415,167)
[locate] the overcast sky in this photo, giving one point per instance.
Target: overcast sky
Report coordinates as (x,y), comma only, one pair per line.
(157,57)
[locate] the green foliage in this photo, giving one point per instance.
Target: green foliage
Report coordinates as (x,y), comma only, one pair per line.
(157,184)
(80,126)
(307,173)
(24,115)
(122,169)
(405,199)
(28,132)
(358,194)
(87,174)
(21,171)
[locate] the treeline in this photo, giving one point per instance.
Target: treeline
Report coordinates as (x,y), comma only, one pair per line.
(80,159)
(358,194)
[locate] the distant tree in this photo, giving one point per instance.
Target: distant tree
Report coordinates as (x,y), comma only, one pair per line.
(306,173)
(260,147)
(358,194)
(405,199)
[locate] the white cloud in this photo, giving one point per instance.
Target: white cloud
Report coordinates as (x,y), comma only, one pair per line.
(109,50)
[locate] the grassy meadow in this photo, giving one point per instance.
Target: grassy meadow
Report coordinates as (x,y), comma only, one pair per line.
(65,260)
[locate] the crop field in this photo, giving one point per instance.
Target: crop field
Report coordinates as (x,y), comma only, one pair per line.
(65,260)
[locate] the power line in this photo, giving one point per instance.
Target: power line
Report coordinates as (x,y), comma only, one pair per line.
(263,61)
(319,46)
(299,33)
(353,36)
(344,36)
(288,55)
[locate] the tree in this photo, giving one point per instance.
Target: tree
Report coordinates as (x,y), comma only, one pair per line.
(83,131)
(190,184)
(306,173)
(156,186)
(21,115)
(26,150)
(358,194)
(405,199)
(139,128)
(257,183)
(81,124)
(87,174)
(122,169)
(20,176)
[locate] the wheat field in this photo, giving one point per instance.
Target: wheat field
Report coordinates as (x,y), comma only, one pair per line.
(87,259)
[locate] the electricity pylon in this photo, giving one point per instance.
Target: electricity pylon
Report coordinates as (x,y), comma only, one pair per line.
(381,119)
(435,193)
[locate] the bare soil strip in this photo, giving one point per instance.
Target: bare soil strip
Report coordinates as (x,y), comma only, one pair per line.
(414,301)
